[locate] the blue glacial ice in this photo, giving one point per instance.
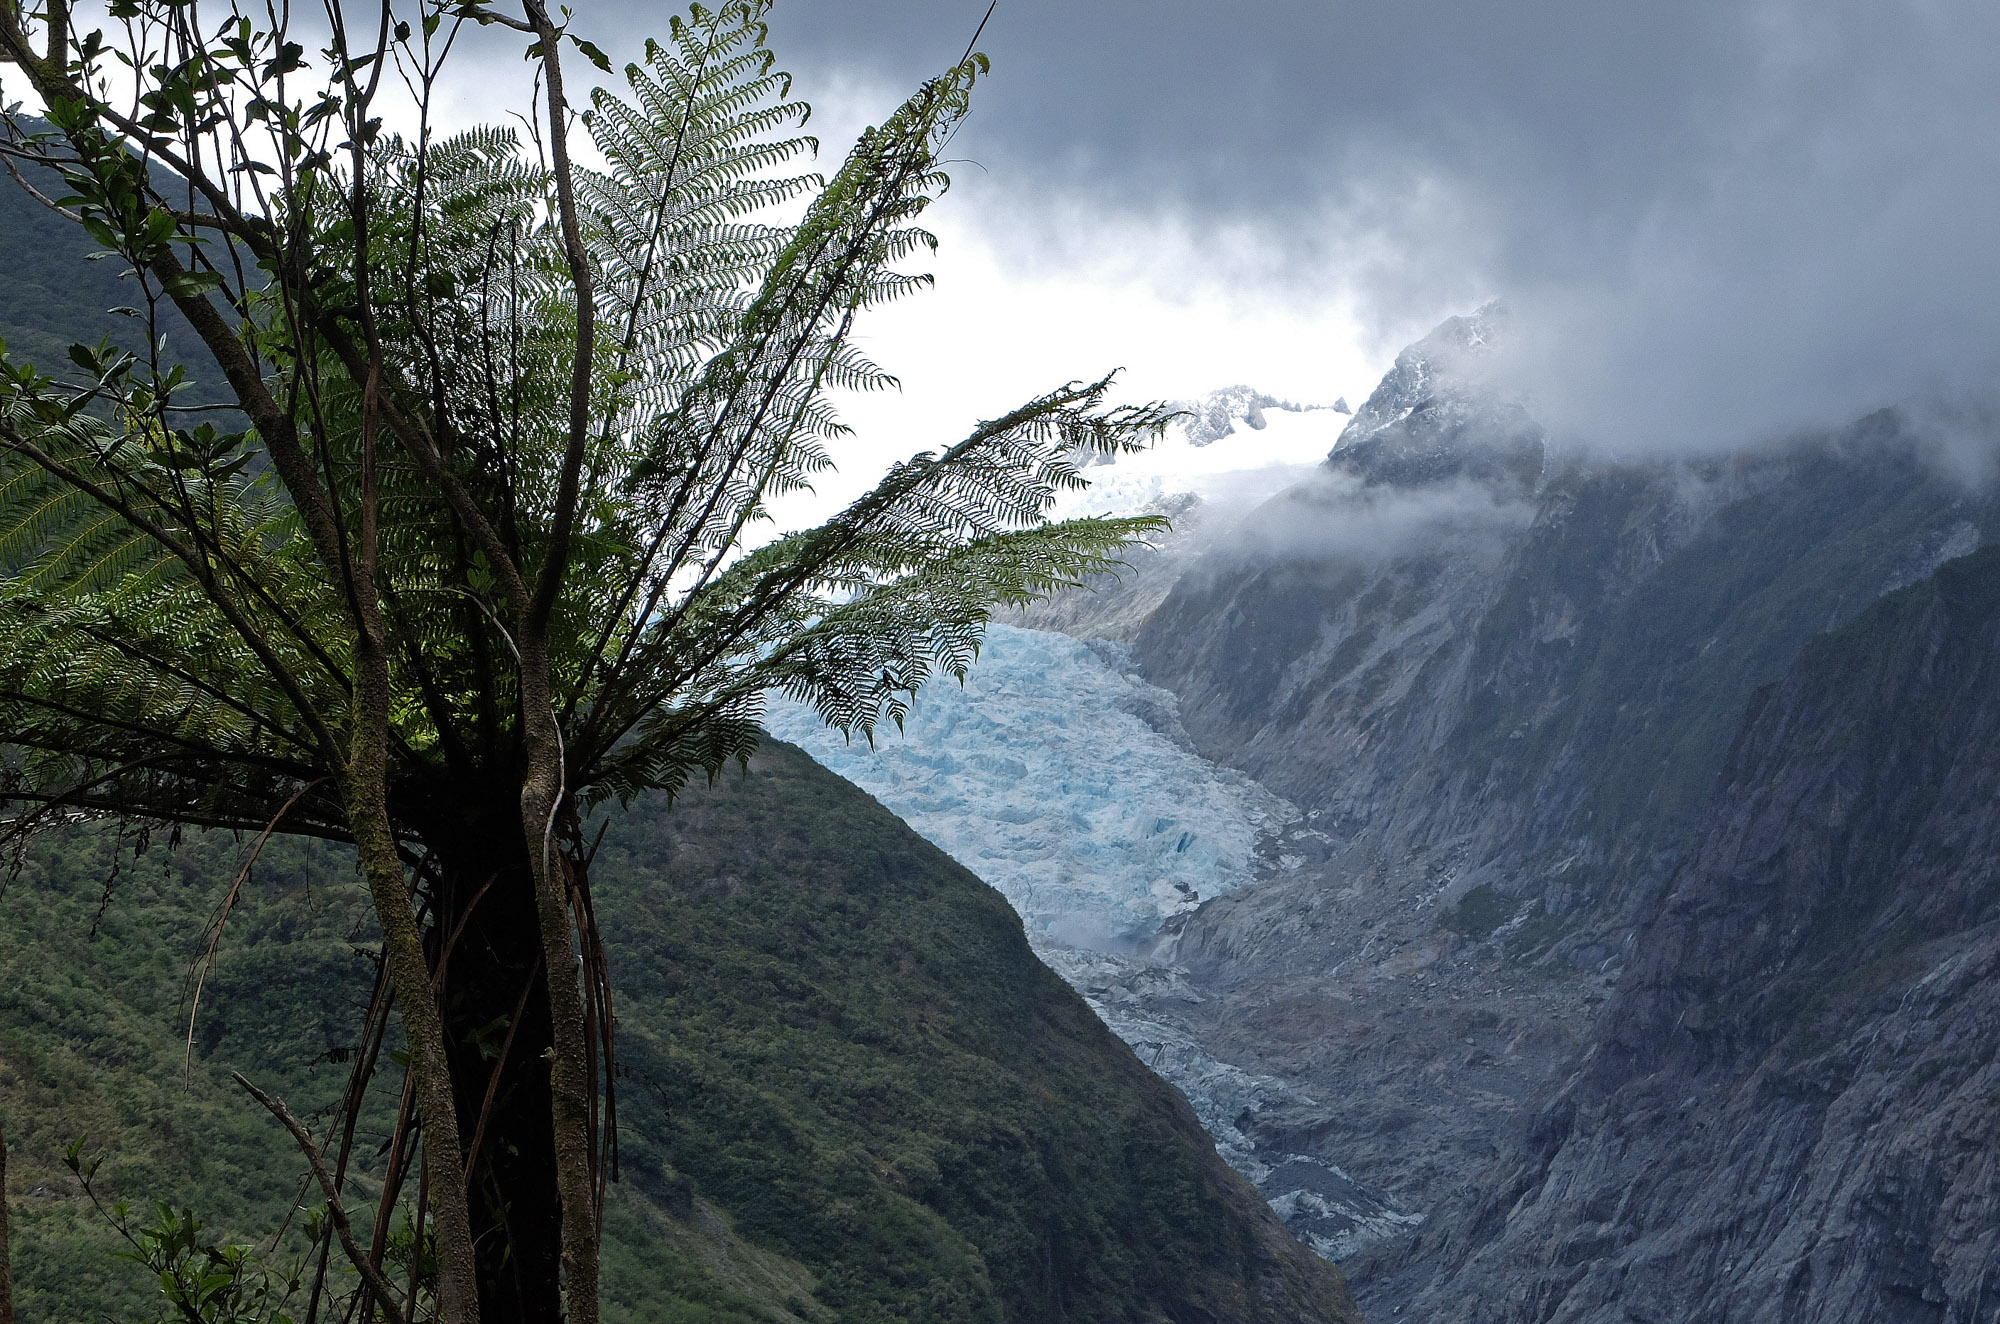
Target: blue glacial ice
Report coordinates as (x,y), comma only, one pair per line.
(1058,777)
(1064,781)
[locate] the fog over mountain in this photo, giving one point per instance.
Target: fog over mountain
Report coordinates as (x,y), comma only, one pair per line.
(1715,220)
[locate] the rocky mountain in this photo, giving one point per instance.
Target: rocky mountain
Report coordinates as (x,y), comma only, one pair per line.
(1214,416)
(1790,1109)
(1501,682)
(1496,680)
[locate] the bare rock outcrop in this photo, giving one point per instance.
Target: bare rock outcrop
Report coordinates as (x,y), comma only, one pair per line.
(1789,1112)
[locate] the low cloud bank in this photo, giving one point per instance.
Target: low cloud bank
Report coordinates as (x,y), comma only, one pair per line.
(1334,515)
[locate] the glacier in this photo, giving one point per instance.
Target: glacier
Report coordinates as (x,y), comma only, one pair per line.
(1055,774)
(1064,780)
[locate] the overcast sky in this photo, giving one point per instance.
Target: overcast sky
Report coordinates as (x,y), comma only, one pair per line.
(1715,220)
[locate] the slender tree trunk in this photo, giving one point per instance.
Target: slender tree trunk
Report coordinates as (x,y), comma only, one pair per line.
(366,792)
(6,1233)
(542,793)
(544,789)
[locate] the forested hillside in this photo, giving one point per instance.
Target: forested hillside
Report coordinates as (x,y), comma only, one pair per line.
(52,293)
(851,1092)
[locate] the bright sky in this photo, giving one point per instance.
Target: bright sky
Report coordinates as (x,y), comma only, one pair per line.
(992,335)
(1175,313)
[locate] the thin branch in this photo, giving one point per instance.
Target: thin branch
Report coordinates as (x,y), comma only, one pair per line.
(377,1282)
(207,962)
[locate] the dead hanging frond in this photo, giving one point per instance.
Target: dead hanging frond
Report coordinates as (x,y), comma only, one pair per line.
(600,1025)
(204,965)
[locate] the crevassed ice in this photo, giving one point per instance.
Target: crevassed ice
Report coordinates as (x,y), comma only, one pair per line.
(1057,779)
(1040,776)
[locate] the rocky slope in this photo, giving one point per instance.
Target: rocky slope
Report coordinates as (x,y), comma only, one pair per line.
(1495,684)
(1498,683)
(1526,669)
(1790,1111)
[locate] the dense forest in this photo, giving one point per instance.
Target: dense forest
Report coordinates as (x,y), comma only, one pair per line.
(851,1092)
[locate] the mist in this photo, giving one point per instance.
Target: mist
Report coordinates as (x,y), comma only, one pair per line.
(1336,516)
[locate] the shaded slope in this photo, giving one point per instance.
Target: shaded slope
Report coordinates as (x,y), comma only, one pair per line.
(853,1093)
(1791,1109)
(859,1057)
(55,293)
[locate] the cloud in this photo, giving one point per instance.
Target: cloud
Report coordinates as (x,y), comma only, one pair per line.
(1333,516)
(1715,218)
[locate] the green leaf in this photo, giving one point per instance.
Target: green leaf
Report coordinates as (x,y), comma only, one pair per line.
(96,228)
(191,284)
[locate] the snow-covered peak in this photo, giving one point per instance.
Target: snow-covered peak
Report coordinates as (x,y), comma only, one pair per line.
(1445,362)
(1280,444)
(1212,417)
(1441,415)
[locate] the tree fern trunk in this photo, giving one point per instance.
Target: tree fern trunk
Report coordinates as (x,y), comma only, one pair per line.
(402,946)
(541,798)
(495,997)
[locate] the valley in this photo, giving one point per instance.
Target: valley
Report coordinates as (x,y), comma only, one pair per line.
(573,752)
(1490,686)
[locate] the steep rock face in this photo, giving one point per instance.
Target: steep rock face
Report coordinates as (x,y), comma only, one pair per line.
(1536,703)
(1790,1113)
(1498,683)
(1439,415)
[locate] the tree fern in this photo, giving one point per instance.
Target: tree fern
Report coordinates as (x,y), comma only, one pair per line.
(456,581)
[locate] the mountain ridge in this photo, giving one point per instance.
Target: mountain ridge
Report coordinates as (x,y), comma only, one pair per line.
(1500,682)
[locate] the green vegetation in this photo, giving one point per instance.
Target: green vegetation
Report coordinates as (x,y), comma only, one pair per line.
(94,959)
(51,296)
(488,553)
(851,1092)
